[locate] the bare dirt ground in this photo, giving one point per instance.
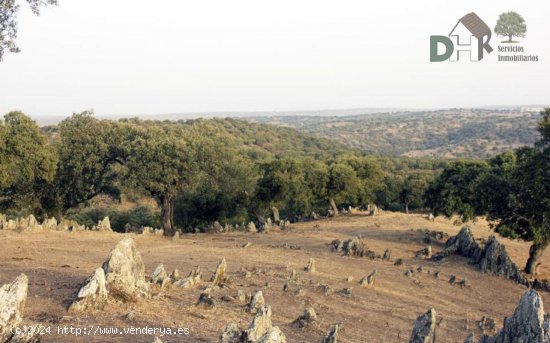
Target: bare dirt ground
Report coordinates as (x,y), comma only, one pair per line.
(58,262)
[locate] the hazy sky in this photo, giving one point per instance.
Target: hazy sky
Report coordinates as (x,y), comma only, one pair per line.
(165,56)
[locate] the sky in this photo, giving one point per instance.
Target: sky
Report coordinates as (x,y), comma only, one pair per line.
(131,57)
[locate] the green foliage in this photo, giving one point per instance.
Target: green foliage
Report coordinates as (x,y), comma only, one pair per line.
(137,217)
(27,163)
(511,24)
(8,22)
(454,191)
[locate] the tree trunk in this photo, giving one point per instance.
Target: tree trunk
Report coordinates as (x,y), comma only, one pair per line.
(166,215)
(406,208)
(276,217)
(510,38)
(535,253)
(333,206)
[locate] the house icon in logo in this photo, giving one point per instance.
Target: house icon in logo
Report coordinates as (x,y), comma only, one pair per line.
(470,36)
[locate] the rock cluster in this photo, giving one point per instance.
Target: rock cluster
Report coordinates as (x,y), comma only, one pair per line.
(355,246)
(122,276)
(491,258)
(306,319)
(193,279)
(261,330)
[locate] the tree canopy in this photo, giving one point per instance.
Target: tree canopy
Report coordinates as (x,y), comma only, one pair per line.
(511,24)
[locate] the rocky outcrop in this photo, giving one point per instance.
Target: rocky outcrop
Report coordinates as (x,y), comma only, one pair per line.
(528,324)
(218,278)
(261,330)
(490,258)
(257,301)
(125,272)
(355,246)
(12,303)
(92,294)
(424,328)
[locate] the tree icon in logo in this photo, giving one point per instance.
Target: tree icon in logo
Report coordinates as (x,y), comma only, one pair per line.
(510,24)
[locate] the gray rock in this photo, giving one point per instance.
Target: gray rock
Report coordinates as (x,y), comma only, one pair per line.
(104,225)
(306,319)
(92,294)
(528,324)
(160,276)
(369,280)
(12,303)
(231,334)
(125,272)
(257,301)
(218,278)
(310,268)
(332,335)
(424,328)
(261,330)
(193,279)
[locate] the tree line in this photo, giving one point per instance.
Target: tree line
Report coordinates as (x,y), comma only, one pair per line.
(197,171)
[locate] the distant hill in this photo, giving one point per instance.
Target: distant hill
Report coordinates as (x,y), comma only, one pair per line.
(451,133)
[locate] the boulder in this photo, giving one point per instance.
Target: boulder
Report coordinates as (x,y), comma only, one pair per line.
(424,328)
(92,294)
(355,246)
(424,253)
(125,272)
(251,227)
(206,299)
(12,303)
(231,334)
(529,323)
(218,278)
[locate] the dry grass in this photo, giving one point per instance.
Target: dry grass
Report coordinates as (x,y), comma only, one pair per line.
(57,262)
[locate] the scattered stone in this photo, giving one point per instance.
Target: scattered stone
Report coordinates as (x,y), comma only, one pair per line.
(327,290)
(409,272)
(355,246)
(205,298)
(419,269)
(424,253)
(487,325)
(104,225)
(431,217)
(452,280)
(156,340)
(310,268)
(387,255)
(292,275)
(160,276)
(12,303)
(92,294)
(285,287)
(464,283)
(218,278)
(175,275)
(27,336)
(349,279)
(243,297)
(424,328)
(398,262)
(347,292)
(369,280)
(332,335)
(125,272)
(246,245)
(470,338)
(231,334)
(300,292)
(131,315)
(256,302)
(261,330)
(251,227)
(436,274)
(191,280)
(529,323)
(307,319)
